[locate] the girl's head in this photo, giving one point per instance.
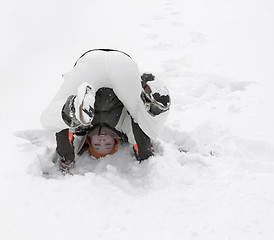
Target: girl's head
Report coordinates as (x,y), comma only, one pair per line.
(102,144)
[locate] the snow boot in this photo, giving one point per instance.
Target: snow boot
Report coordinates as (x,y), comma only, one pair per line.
(154,95)
(84,104)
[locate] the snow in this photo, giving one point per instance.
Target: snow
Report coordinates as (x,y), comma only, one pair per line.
(216,59)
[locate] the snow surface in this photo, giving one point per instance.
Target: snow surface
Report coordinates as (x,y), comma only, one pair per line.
(216,58)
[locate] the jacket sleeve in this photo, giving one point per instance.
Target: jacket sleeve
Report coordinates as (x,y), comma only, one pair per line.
(143,142)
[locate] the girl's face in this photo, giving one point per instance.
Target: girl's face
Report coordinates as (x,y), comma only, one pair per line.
(102,143)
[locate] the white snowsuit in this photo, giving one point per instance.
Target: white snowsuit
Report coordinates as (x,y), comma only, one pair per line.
(110,69)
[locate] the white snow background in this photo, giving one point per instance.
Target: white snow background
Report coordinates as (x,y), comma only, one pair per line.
(215,56)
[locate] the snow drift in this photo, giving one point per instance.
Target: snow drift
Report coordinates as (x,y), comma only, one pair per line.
(214,57)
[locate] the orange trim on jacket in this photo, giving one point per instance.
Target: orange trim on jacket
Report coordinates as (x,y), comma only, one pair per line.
(136,148)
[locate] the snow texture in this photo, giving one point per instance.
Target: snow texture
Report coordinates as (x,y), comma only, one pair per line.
(215,57)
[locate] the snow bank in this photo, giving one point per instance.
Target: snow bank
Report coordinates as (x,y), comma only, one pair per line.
(173,194)
(215,58)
